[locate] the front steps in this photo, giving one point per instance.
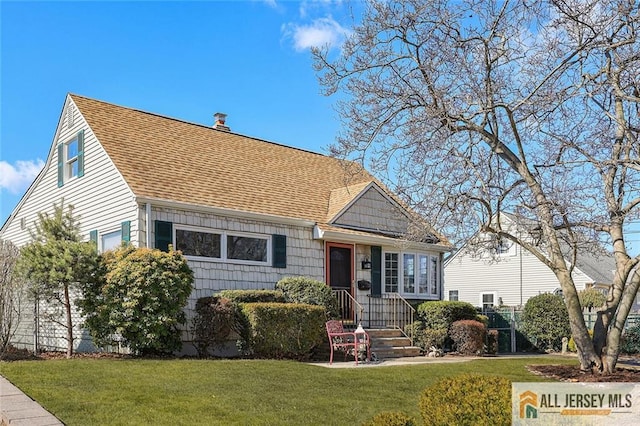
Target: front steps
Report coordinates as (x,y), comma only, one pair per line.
(391,343)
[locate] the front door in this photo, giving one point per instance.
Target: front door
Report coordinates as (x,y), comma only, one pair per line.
(340,274)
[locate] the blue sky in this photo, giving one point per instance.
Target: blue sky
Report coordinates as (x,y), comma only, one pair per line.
(188,60)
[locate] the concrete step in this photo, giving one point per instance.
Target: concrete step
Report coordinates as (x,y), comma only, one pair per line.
(396,352)
(391,343)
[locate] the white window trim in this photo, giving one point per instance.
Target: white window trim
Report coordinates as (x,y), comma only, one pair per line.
(223,245)
(101,234)
(416,270)
(495,298)
(68,162)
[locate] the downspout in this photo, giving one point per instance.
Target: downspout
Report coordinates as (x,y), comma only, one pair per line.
(148,224)
(520,248)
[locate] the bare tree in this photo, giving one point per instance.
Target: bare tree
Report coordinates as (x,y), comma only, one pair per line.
(478,107)
(11,290)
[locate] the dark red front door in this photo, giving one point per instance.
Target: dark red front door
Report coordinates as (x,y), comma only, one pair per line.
(340,274)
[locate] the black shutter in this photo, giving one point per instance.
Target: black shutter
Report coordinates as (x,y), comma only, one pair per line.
(376,271)
(164,235)
(279,251)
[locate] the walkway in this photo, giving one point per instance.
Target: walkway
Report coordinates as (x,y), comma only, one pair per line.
(17,409)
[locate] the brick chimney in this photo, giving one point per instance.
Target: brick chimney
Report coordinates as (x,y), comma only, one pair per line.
(220,119)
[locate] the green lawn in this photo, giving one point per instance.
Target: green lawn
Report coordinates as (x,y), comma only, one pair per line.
(246,392)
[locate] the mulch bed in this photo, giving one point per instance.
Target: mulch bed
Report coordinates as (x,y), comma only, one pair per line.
(569,373)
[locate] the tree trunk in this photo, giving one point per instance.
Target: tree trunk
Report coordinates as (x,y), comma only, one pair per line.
(67,307)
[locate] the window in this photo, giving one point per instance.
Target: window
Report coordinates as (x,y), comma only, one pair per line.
(110,241)
(391,272)
(505,247)
(453,295)
(418,273)
(408,274)
(222,245)
(196,243)
(487,301)
(246,248)
(71,159)
(423,277)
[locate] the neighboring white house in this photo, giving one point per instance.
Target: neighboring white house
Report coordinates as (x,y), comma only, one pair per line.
(509,275)
(244,211)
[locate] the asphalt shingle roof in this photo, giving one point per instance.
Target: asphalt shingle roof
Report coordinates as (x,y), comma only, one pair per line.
(170,159)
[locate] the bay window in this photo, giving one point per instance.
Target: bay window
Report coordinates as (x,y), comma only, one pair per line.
(418,272)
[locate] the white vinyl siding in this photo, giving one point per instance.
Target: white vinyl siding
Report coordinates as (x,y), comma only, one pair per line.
(101,198)
(514,278)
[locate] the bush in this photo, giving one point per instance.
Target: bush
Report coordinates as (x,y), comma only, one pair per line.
(391,418)
(426,338)
(468,336)
(483,319)
(282,330)
(141,299)
(492,341)
(631,340)
(545,320)
(441,314)
(216,318)
(468,399)
(309,291)
(253,296)
(591,298)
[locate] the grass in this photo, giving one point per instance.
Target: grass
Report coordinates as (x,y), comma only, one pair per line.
(230,392)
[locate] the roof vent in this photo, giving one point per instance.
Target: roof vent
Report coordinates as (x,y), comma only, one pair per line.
(220,119)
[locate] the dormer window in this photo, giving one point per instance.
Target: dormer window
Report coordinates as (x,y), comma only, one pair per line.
(71,159)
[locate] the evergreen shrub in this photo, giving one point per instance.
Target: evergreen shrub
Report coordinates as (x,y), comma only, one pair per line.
(253,296)
(468,336)
(309,291)
(441,314)
(545,321)
(468,399)
(631,340)
(215,320)
(282,330)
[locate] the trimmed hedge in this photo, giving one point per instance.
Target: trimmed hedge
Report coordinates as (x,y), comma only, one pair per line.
(545,321)
(468,336)
(253,296)
(468,399)
(441,314)
(309,291)
(216,318)
(282,330)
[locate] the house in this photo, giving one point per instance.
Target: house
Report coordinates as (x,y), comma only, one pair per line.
(245,212)
(504,273)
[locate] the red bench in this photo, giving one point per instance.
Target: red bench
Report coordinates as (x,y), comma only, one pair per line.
(350,342)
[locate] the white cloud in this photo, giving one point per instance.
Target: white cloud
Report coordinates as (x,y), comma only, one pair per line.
(271,3)
(321,32)
(16,178)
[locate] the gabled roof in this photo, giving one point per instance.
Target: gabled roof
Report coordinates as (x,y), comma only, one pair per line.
(597,263)
(168,159)
(163,158)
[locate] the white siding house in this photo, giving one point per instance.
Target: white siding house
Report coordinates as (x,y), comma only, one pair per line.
(264,210)
(510,275)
